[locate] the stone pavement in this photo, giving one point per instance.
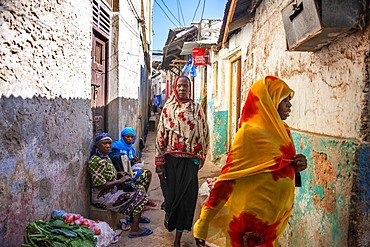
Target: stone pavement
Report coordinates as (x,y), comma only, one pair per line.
(161,237)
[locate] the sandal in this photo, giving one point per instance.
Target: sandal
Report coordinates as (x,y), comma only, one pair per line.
(146,232)
(143,220)
(116,236)
(151,203)
(145,208)
(125,224)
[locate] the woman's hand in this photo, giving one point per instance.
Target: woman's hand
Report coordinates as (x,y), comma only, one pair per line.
(124,178)
(123,174)
(162,175)
(135,159)
(200,242)
(300,162)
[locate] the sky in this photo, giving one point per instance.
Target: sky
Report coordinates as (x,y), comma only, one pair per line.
(213,9)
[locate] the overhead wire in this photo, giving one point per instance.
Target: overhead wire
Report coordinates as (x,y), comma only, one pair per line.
(204,5)
(128,25)
(196,10)
(133,10)
(165,13)
(170,12)
(178,11)
(182,14)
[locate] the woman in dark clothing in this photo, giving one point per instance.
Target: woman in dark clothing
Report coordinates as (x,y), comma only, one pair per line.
(181,146)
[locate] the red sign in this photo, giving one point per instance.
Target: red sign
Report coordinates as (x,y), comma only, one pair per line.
(201,56)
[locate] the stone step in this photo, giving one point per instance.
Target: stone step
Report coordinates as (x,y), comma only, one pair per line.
(112,218)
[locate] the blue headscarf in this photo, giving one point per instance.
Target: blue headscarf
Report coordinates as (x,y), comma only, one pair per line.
(121,147)
(99,137)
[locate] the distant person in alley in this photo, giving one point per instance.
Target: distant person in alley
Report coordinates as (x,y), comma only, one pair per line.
(181,146)
(253,197)
(154,104)
(130,200)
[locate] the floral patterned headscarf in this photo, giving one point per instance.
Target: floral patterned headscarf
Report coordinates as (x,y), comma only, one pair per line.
(182,129)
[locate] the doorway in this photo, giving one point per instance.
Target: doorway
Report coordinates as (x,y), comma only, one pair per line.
(235,98)
(98,84)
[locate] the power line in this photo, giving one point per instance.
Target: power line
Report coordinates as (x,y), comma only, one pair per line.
(196,11)
(182,14)
(165,13)
(170,12)
(132,7)
(204,5)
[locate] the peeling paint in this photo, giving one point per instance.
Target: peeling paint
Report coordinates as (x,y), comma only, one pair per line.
(219,134)
(323,203)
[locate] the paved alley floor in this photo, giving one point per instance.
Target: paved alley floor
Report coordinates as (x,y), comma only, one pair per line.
(161,237)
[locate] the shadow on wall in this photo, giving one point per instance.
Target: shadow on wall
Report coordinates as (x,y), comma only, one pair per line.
(45,145)
(360,218)
(124,112)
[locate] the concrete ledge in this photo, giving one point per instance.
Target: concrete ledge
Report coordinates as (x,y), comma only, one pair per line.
(112,218)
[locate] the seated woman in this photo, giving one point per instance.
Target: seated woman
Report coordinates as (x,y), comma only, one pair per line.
(125,146)
(104,192)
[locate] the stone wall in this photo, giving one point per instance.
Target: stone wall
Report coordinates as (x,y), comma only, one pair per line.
(45,114)
(128,79)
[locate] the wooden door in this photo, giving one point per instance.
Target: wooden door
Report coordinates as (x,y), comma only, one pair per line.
(235,98)
(98,84)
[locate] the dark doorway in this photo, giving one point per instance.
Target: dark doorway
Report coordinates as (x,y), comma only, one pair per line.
(98,83)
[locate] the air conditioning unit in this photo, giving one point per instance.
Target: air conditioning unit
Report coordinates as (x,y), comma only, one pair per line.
(311,24)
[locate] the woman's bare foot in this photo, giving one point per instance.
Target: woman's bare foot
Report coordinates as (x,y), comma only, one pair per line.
(137,231)
(140,233)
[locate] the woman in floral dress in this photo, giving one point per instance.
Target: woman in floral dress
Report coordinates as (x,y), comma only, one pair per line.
(181,146)
(104,192)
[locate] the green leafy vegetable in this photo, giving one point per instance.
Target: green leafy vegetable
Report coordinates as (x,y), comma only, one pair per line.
(56,233)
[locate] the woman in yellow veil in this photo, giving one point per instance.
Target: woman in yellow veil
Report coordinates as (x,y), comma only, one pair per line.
(251,202)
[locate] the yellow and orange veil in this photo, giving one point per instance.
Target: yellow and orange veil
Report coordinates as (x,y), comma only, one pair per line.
(254,194)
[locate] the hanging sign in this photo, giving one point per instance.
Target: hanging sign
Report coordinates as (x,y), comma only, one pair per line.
(201,56)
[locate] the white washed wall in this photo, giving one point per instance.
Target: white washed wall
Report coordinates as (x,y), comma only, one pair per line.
(45,114)
(328,83)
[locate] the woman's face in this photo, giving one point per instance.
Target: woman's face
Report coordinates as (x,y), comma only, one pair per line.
(129,138)
(104,146)
(183,88)
(284,108)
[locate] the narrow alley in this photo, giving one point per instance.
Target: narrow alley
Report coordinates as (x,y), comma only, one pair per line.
(71,70)
(161,237)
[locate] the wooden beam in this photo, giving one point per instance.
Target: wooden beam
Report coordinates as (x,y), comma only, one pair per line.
(179,61)
(229,19)
(238,23)
(144,41)
(174,65)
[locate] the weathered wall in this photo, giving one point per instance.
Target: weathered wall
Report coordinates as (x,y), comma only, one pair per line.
(330,122)
(322,207)
(218,86)
(359,223)
(322,80)
(331,87)
(45,115)
(128,86)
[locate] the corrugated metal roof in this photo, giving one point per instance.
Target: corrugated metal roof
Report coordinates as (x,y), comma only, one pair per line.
(175,41)
(187,47)
(242,14)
